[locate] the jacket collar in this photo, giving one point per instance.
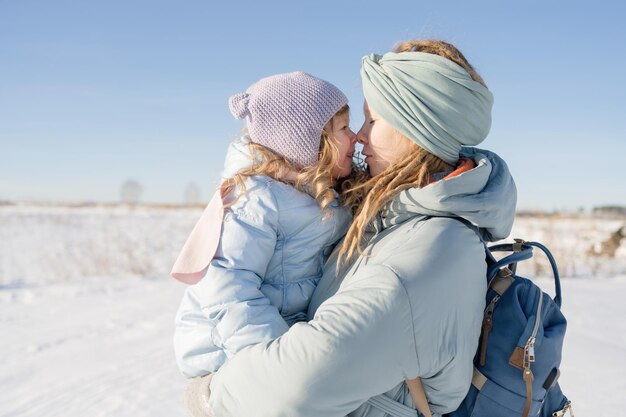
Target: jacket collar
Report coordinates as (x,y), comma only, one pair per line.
(484,195)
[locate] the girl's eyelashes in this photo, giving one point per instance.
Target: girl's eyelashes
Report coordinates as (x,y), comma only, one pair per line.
(372,121)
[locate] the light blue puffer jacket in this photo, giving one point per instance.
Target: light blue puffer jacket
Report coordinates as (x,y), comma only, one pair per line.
(411,306)
(269,260)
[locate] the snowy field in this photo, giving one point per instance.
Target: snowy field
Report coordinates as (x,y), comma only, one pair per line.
(87,308)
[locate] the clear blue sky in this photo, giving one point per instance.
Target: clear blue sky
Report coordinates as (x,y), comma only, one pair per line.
(95,93)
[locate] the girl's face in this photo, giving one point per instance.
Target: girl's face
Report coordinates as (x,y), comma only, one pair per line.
(344,139)
(382,144)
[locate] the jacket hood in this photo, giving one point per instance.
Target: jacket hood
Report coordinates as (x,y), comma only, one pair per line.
(485,196)
(238,157)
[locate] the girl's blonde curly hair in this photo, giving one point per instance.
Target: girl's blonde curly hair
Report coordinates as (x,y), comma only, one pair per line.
(316,180)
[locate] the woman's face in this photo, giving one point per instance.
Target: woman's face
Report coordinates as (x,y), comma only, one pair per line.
(382,144)
(344,139)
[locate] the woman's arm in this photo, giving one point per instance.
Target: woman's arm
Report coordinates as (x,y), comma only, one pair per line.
(359,344)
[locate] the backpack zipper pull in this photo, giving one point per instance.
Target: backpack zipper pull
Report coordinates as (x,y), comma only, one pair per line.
(527,375)
(529,357)
(487,325)
(564,410)
(528,380)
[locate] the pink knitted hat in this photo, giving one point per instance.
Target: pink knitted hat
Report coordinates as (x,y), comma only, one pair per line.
(287,113)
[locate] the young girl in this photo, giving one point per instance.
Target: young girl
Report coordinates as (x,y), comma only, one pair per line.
(265,236)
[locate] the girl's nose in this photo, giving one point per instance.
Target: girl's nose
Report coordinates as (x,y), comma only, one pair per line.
(353,137)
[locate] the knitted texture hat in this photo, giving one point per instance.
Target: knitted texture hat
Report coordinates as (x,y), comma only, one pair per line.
(286,113)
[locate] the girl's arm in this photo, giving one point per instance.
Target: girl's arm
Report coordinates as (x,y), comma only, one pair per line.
(226,311)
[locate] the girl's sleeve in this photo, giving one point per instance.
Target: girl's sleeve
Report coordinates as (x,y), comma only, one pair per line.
(226,311)
(359,344)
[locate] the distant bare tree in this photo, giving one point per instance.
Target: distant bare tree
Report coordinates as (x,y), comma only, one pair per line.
(609,247)
(192,194)
(131,191)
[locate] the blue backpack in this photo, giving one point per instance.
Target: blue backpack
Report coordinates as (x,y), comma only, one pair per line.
(516,368)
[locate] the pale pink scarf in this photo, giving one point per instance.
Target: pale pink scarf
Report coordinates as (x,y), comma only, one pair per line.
(202,243)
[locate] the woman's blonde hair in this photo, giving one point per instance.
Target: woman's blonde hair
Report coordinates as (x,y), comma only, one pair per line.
(443,49)
(367,198)
(316,180)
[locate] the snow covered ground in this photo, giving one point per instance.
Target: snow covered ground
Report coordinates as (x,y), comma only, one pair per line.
(87,307)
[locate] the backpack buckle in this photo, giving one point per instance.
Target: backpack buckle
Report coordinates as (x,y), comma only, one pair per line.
(517,246)
(504,272)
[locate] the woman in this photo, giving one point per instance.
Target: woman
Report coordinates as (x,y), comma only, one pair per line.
(403,296)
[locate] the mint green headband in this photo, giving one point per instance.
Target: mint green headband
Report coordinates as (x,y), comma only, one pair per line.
(429,99)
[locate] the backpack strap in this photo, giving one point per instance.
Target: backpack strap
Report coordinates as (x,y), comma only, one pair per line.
(502,281)
(391,407)
(416,388)
(478,379)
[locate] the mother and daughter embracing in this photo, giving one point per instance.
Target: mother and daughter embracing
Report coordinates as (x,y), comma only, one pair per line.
(323,288)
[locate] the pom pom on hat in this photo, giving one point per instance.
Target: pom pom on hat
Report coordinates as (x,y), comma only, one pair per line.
(238,105)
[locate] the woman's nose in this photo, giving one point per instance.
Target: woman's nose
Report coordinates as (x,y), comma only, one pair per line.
(361,137)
